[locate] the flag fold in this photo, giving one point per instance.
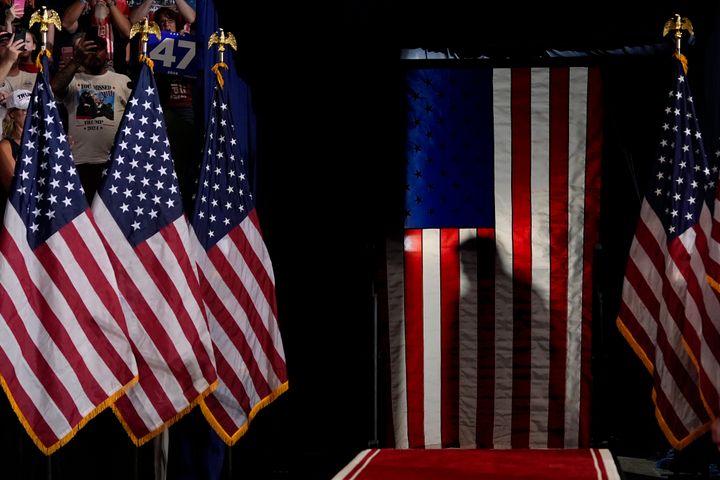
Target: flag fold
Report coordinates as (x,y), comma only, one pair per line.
(139,211)
(669,313)
(64,348)
(236,280)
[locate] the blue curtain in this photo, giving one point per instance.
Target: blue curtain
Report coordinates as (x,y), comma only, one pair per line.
(206,24)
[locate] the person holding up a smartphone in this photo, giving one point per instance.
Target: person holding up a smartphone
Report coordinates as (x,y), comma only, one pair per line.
(16,78)
(26,59)
(95,98)
(109,18)
(19,8)
(11,77)
(13,13)
(147,8)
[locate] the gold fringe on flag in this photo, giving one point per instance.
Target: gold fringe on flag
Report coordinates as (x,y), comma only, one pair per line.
(713,283)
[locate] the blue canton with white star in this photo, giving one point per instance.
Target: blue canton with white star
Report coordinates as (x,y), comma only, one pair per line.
(682,176)
(140,188)
(46,188)
(449,148)
(223,199)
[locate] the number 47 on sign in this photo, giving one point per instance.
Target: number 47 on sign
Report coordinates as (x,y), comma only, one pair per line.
(173,54)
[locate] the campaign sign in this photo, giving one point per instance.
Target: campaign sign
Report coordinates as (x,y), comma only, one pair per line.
(173,54)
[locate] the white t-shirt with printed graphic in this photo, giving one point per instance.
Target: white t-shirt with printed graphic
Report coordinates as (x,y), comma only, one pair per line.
(95,105)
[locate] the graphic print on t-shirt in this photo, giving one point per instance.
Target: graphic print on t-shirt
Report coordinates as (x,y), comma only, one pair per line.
(95,102)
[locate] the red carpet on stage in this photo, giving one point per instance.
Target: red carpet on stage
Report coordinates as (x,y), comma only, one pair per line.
(459,464)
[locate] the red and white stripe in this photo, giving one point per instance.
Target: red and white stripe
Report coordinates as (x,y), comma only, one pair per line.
(666,300)
(497,353)
(238,285)
(64,351)
(709,352)
(167,325)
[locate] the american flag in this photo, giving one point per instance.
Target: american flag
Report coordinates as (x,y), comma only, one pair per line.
(64,350)
(489,291)
(667,304)
(237,282)
(139,211)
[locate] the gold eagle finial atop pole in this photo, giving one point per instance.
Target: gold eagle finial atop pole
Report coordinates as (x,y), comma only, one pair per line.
(46,18)
(144,28)
(678,24)
(221,39)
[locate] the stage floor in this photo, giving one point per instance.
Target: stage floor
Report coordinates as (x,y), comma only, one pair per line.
(460,464)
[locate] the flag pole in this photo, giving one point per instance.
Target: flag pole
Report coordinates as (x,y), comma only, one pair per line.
(374,441)
(678,24)
(220,39)
(46,18)
(144,28)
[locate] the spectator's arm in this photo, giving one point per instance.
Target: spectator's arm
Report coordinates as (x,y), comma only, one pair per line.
(50,38)
(118,18)
(141,11)
(186,11)
(10,17)
(61,80)
(63,77)
(7,165)
(72,14)
(10,56)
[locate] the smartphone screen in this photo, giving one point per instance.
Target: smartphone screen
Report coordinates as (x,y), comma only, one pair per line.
(19,7)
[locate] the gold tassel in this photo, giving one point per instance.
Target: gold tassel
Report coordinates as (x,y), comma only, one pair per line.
(216,69)
(683,60)
(148,61)
(38,63)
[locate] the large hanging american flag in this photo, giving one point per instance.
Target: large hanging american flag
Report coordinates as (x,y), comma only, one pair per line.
(669,314)
(64,350)
(237,282)
(489,294)
(139,211)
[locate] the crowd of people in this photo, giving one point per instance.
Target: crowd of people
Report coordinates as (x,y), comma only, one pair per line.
(92,62)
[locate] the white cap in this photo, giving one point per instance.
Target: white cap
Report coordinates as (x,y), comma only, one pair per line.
(19,99)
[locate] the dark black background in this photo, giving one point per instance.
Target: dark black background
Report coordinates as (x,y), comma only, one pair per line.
(331,128)
(330,124)
(327,94)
